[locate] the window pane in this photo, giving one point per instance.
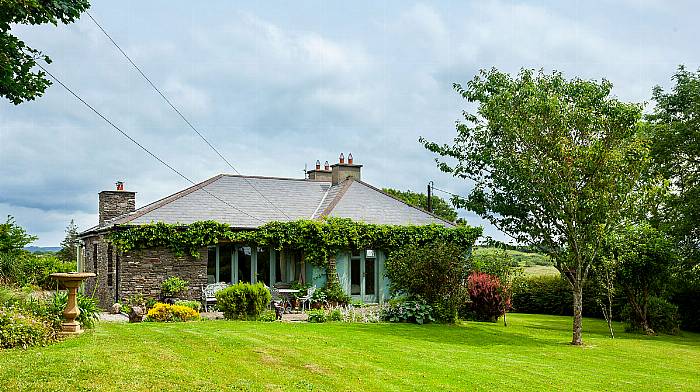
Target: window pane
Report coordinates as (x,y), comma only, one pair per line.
(355,276)
(244,260)
(263,272)
(278,267)
(369,276)
(225,257)
(211,265)
(298,272)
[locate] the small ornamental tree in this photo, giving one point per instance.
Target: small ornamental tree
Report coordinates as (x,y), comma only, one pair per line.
(487,303)
(499,264)
(552,161)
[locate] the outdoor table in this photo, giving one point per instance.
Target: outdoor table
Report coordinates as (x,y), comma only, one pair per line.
(286,293)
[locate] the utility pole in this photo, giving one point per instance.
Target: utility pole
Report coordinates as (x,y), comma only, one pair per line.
(430,196)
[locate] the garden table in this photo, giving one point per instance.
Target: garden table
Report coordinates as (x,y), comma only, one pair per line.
(286,302)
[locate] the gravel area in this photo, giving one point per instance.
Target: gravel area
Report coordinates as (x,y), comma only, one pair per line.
(113,318)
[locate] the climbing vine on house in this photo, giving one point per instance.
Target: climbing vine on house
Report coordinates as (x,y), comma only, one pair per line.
(319,239)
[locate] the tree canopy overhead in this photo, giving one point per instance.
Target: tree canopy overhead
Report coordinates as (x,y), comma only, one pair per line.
(18,81)
(553,161)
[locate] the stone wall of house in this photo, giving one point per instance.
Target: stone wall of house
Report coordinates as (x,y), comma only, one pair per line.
(121,275)
(97,260)
(143,271)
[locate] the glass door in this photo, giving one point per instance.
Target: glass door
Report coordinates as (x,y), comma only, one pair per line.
(363,276)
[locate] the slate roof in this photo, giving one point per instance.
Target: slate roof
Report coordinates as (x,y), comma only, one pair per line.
(237,201)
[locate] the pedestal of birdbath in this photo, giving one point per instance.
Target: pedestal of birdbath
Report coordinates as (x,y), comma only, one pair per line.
(71,280)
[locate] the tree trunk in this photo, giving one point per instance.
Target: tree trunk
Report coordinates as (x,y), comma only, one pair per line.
(576,340)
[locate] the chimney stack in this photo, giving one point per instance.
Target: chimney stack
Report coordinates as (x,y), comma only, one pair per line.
(116,203)
(342,171)
(318,174)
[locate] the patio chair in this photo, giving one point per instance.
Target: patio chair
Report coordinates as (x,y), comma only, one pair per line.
(307,298)
(209,293)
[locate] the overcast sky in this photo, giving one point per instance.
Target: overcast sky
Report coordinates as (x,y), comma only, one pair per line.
(278,85)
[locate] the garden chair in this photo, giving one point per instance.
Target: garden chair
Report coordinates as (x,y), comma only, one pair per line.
(307,298)
(209,293)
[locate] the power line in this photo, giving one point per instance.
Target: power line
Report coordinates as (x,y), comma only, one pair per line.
(139,144)
(449,193)
(182,115)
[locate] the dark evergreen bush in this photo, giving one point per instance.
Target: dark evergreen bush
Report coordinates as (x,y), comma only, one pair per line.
(243,300)
(435,272)
(662,317)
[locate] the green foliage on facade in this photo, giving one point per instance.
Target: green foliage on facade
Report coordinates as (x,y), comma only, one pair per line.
(319,240)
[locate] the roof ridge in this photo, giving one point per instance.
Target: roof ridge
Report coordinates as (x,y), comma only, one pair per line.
(271,178)
(163,201)
(343,188)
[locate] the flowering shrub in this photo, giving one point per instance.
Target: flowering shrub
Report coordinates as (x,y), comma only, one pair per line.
(368,314)
(405,310)
(190,304)
(167,313)
(485,295)
(335,315)
(19,328)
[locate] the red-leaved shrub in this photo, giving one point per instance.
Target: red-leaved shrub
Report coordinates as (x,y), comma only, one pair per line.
(485,294)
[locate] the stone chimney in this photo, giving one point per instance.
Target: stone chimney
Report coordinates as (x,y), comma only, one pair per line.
(319,174)
(116,203)
(342,171)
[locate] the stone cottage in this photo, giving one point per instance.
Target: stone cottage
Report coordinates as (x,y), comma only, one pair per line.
(330,191)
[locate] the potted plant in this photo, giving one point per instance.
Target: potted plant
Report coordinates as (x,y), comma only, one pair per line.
(171,287)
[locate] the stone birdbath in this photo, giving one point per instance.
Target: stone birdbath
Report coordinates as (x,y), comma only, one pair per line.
(71,280)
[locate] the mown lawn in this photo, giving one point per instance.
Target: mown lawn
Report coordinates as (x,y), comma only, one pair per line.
(532,353)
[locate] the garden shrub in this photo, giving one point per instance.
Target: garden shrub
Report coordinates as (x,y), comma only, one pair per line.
(24,268)
(686,294)
(243,300)
(173,286)
(406,310)
(89,309)
(335,315)
(171,313)
(486,302)
(662,317)
(335,295)
(316,316)
(550,294)
(435,272)
(23,329)
(268,316)
(196,305)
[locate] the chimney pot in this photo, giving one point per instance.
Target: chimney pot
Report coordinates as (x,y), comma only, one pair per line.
(342,158)
(350,159)
(318,165)
(326,166)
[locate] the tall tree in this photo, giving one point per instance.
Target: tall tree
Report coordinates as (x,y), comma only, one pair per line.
(676,155)
(553,162)
(18,81)
(440,207)
(68,251)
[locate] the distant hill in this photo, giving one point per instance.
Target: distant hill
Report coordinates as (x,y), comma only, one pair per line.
(42,249)
(533,263)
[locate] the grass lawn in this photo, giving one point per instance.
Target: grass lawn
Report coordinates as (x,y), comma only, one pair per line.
(532,353)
